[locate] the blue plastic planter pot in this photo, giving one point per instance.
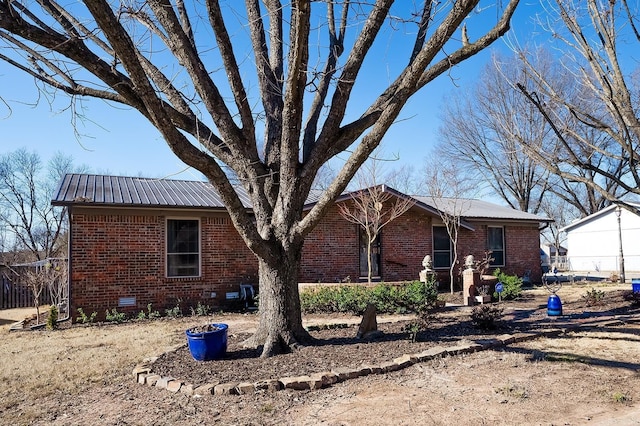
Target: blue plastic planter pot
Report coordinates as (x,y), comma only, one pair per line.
(554,306)
(208,345)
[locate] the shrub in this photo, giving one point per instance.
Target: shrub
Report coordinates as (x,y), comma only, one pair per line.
(352,299)
(115,316)
(511,285)
(593,297)
(485,316)
(200,310)
(411,297)
(84,318)
(151,313)
(174,312)
(420,296)
(52,320)
(620,397)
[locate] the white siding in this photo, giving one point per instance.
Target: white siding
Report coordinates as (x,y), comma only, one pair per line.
(594,245)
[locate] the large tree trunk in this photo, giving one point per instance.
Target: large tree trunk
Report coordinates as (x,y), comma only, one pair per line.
(280,327)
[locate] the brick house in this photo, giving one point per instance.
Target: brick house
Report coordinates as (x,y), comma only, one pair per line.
(135,241)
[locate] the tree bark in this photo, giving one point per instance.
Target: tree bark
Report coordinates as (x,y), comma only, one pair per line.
(211,127)
(280,327)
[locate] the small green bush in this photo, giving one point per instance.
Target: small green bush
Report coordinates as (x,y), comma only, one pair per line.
(511,285)
(200,310)
(52,320)
(176,311)
(151,313)
(84,318)
(620,397)
(115,316)
(593,297)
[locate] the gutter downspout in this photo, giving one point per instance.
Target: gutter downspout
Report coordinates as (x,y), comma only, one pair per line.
(68,269)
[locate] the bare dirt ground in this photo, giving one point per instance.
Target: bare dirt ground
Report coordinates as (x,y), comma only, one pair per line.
(82,375)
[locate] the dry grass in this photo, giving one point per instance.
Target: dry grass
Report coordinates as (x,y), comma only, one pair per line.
(38,364)
(579,375)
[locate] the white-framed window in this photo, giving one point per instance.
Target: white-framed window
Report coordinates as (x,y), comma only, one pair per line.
(495,243)
(441,247)
(183,247)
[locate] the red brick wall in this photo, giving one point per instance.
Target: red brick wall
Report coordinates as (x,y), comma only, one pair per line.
(522,247)
(405,242)
(118,255)
(122,254)
(331,251)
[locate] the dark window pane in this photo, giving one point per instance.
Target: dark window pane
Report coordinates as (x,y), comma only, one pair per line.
(495,239)
(498,258)
(183,236)
(441,247)
(495,243)
(183,248)
(441,260)
(183,265)
(441,240)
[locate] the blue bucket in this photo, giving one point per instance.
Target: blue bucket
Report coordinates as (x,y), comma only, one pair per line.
(554,306)
(208,345)
(635,285)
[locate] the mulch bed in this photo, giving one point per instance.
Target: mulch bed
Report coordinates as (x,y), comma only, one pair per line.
(338,347)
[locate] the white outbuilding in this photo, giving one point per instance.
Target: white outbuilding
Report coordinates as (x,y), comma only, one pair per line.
(598,243)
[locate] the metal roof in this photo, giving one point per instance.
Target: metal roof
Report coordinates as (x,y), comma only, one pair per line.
(138,192)
(478,209)
(579,222)
(87,189)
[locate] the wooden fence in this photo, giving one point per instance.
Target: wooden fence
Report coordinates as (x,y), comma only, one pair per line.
(16,295)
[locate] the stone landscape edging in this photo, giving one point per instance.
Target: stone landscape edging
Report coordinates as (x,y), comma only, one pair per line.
(143,372)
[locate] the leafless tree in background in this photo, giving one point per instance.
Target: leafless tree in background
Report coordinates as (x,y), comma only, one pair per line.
(31,223)
(485,129)
(596,123)
(373,206)
(272,115)
(563,214)
(449,189)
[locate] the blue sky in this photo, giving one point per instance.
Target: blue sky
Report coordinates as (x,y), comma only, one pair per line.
(120,141)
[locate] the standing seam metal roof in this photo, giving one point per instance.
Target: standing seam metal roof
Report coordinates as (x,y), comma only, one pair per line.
(135,191)
(147,192)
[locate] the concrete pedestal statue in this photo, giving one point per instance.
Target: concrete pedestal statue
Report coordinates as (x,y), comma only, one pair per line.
(470,281)
(427,273)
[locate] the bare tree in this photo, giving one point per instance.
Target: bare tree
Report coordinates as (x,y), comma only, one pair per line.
(563,214)
(373,206)
(596,123)
(486,128)
(26,190)
(50,275)
(36,280)
(449,189)
(211,98)
(58,283)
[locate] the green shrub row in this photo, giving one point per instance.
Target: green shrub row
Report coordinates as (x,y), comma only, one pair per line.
(390,299)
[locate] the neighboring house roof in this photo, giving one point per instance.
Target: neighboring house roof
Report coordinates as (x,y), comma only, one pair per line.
(138,192)
(84,189)
(595,216)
